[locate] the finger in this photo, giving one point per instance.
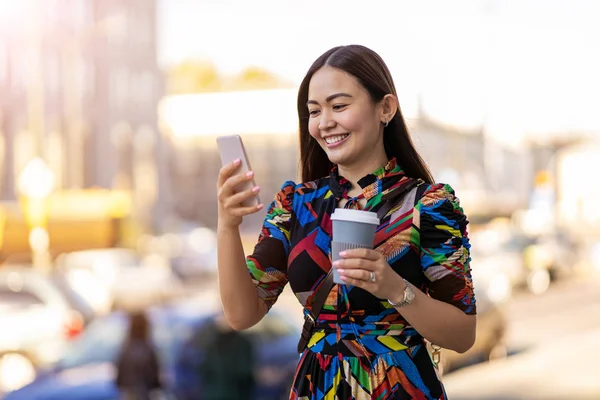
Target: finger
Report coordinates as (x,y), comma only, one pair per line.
(355,263)
(227,170)
(366,254)
(358,283)
(233,181)
(361,274)
(238,198)
(243,211)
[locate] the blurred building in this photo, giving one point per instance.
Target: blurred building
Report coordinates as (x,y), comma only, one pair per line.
(490,179)
(267,122)
(79,83)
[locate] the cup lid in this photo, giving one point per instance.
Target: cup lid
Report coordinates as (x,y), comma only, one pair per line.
(346,214)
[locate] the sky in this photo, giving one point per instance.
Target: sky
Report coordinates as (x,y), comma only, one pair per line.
(471,63)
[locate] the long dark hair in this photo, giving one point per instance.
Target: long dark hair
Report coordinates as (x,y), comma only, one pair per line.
(370,70)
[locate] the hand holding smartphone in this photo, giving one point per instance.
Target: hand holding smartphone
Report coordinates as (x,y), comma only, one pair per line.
(232,148)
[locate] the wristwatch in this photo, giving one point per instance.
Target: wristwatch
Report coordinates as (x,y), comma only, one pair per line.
(407,296)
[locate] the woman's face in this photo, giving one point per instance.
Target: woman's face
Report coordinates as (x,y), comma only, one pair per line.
(343,118)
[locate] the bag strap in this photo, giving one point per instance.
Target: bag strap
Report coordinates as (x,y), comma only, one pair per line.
(394,197)
(310,318)
(420,190)
(321,295)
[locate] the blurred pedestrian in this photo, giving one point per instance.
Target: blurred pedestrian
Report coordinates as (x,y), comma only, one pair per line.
(138,371)
(366,338)
(227,366)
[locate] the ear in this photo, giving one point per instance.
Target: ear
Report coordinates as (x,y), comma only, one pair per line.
(388,108)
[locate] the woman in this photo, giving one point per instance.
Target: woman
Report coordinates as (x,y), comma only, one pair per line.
(138,372)
(227,368)
(368,340)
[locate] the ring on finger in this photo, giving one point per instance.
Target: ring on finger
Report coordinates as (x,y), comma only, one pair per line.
(372,278)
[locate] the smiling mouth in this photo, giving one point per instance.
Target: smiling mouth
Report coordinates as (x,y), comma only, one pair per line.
(333,140)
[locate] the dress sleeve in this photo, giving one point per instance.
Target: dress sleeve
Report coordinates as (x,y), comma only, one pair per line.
(445,248)
(268,263)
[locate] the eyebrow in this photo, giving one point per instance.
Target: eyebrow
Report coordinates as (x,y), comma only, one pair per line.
(329,98)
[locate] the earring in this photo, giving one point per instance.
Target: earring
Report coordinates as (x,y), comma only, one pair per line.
(386,123)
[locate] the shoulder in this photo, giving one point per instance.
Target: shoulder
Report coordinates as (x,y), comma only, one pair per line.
(436,193)
(287,189)
(440,202)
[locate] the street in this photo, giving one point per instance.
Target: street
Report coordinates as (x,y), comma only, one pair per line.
(553,349)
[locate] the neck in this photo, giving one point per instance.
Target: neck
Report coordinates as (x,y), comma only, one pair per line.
(358,170)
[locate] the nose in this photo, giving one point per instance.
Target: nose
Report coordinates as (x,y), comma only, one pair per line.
(326,123)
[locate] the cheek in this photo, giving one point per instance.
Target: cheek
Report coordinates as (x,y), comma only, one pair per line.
(351,122)
(313,128)
(364,123)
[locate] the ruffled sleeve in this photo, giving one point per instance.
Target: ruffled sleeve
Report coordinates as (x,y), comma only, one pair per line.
(445,248)
(268,263)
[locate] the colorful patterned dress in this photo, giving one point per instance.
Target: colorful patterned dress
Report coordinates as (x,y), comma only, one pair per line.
(361,347)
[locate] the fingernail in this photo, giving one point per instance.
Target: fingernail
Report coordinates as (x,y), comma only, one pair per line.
(249,174)
(343,253)
(237,161)
(256,189)
(258,207)
(344,278)
(341,271)
(336,264)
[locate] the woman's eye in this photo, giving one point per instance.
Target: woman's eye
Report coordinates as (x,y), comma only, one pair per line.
(313,112)
(338,107)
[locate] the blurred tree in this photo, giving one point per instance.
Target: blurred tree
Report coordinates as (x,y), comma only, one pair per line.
(254,78)
(197,76)
(193,76)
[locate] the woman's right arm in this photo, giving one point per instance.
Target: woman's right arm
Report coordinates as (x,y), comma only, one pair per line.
(242,306)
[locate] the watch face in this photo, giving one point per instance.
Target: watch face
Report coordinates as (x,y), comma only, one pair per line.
(409,294)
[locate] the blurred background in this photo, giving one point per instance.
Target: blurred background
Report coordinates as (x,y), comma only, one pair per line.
(109,113)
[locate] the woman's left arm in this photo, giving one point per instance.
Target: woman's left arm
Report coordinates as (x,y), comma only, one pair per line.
(445,315)
(439,322)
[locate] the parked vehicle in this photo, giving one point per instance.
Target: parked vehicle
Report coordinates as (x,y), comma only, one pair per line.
(191,251)
(87,371)
(39,314)
(492,291)
(118,278)
(501,246)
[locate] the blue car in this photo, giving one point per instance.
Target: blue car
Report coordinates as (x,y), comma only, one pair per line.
(86,371)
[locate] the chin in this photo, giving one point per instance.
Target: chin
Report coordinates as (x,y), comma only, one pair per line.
(339,159)
(338,156)
(334,156)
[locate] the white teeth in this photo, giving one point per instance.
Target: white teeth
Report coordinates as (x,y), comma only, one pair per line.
(335,139)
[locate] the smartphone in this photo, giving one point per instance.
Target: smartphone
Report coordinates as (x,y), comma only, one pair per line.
(231,148)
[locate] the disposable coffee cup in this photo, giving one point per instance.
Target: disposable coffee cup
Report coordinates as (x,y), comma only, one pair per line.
(352,229)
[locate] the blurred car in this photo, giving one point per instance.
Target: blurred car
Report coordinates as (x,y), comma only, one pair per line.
(118,278)
(39,314)
(191,251)
(558,253)
(516,254)
(493,290)
(87,369)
